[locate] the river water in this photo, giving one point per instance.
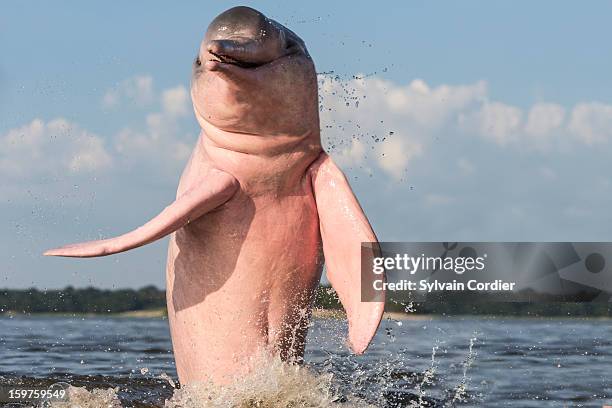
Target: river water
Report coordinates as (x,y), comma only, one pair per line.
(424,362)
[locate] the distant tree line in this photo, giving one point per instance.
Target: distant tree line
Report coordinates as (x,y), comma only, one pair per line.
(93,300)
(524,303)
(85,300)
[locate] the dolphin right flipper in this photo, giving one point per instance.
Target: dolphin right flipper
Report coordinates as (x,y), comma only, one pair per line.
(207,194)
(344,227)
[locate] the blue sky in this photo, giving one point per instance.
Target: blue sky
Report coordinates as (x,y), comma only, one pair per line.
(497,119)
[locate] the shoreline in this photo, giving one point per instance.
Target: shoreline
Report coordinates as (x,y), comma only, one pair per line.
(160,313)
(140,314)
(340,314)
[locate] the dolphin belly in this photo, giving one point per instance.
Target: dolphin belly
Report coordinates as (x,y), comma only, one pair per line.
(240,281)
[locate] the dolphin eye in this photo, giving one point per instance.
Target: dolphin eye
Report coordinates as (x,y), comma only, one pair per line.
(198,61)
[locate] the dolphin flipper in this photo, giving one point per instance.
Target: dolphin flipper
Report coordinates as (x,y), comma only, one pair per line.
(213,190)
(344,227)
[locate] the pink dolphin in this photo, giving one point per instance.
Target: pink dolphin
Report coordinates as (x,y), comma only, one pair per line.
(258,208)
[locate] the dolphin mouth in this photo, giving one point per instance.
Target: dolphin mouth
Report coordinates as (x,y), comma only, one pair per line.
(226,59)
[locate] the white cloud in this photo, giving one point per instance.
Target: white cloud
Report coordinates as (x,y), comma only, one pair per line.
(40,148)
(544,119)
(496,121)
(175,101)
(366,122)
(136,90)
(355,153)
(161,139)
(397,153)
(372,121)
(591,123)
(416,103)
(369,121)
(375,118)
(432,107)
(152,145)
(546,124)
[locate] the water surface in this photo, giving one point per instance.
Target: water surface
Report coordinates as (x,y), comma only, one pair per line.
(430,362)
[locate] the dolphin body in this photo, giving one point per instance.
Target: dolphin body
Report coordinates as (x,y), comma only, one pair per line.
(260,206)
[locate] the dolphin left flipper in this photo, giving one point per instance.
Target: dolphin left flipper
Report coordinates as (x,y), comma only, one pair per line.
(209,193)
(344,227)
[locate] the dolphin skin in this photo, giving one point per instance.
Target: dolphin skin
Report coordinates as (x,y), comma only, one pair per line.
(260,208)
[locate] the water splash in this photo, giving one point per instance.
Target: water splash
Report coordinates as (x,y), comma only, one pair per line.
(166,377)
(340,382)
(271,385)
(96,398)
(461,389)
(428,378)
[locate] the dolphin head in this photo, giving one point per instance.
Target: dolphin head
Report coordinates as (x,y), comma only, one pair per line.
(244,37)
(253,75)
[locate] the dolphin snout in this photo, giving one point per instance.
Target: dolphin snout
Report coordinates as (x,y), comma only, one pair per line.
(244,52)
(244,37)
